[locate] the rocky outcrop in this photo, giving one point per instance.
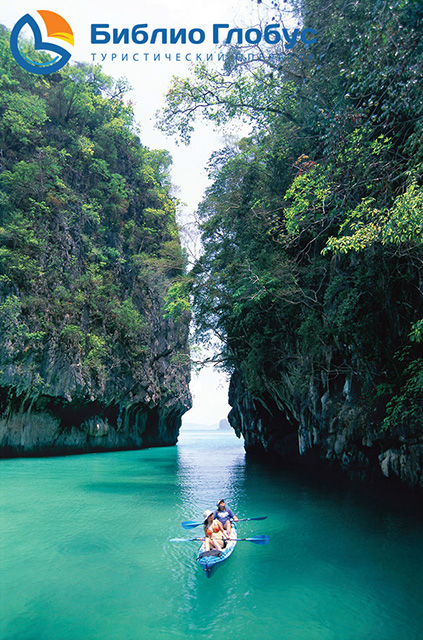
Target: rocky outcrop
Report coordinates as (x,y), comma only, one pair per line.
(404,463)
(328,425)
(94,309)
(70,411)
(265,427)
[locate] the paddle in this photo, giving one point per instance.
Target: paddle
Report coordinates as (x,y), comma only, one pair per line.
(185,539)
(191,525)
(246,519)
(260,539)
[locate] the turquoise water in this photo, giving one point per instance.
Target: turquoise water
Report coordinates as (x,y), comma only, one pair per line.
(86,554)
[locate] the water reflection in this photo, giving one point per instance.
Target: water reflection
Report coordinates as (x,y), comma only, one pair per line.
(336,565)
(87,538)
(211,466)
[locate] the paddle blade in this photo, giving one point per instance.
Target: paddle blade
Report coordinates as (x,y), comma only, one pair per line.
(179,540)
(185,539)
(261,539)
(191,525)
(246,519)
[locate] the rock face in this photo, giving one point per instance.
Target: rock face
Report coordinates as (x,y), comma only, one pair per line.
(130,410)
(327,424)
(94,312)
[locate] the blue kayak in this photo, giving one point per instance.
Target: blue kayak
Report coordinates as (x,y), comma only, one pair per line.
(210,562)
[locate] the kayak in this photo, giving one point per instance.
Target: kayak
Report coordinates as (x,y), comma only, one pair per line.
(210,562)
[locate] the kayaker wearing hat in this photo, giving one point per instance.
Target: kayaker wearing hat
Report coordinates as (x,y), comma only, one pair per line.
(224,515)
(214,532)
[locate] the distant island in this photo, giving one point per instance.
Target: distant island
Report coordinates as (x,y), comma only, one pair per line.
(224,425)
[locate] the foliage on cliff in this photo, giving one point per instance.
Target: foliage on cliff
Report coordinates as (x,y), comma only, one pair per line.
(313,226)
(90,258)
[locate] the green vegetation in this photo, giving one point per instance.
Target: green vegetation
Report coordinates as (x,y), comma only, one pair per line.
(313,226)
(89,250)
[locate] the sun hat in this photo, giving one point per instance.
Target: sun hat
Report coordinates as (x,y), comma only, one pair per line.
(206,514)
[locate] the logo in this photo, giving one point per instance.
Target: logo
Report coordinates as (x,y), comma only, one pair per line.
(57,28)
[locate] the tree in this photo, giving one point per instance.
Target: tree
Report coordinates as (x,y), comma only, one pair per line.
(312,228)
(88,236)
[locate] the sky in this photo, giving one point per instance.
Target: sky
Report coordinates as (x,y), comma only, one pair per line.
(149,81)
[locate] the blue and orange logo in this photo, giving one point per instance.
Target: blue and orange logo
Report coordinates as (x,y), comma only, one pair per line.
(56,27)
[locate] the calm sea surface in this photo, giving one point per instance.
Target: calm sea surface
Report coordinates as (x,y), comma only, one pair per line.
(85,551)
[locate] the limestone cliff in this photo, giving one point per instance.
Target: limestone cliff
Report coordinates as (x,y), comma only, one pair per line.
(75,412)
(94,312)
(326,424)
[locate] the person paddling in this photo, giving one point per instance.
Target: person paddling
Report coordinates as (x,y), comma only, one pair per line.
(224,515)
